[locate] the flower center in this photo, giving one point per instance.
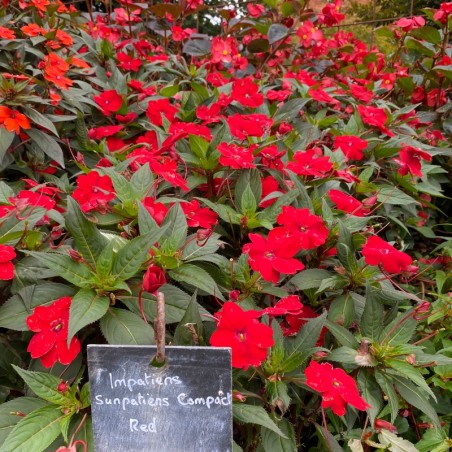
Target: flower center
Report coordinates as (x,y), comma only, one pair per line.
(57,325)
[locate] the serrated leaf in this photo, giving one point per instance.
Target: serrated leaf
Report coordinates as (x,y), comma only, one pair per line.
(372,319)
(370,391)
(388,194)
(121,327)
(410,372)
(74,272)
(412,395)
(310,279)
(307,337)
(252,414)
(197,277)
(86,307)
(43,385)
(176,228)
(387,387)
(6,139)
(47,144)
(182,334)
(13,411)
(395,334)
(34,432)
(248,203)
(15,310)
(272,442)
(146,223)
(104,262)
(141,181)
(88,239)
(342,335)
(133,255)
(39,119)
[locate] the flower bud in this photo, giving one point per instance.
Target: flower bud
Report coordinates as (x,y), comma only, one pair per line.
(63,387)
(381,423)
(76,256)
(153,279)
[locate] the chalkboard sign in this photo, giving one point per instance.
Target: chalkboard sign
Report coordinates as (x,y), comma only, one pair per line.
(183,406)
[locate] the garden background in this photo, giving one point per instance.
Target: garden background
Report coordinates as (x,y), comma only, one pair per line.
(283,178)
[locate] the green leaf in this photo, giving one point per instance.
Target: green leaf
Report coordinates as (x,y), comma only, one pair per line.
(13,411)
(104,262)
(276,32)
(6,139)
(47,144)
(183,335)
(307,337)
(395,334)
(64,266)
(248,203)
(387,387)
(371,393)
(86,307)
(342,335)
(43,385)
(133,255)
(272,442)
(342,310)
(408,371)
(141,181)
(328,440)
(197,277)
(389,194)
(290,110)
(88,239)
(412,395)
(176,233)
(14,311)
(310,279)
(121,327)
(39,119)
(146,223)
(34,432)
(198,146)
(373,314)
(252,414)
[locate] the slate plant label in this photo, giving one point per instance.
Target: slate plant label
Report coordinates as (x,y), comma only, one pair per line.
(184,406)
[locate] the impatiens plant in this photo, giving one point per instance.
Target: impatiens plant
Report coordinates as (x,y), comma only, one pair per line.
(281,183)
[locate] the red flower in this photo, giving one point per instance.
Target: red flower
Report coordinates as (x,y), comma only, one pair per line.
(153,279)
(6,33)
(236,157)
(158,107)
(254,125)
(255,10)
(167,169)
(271,157)
(98,133)
(269,186)
(157,210)
(376,251)
(293,323)
(351,146)
(308,230)
(347,203)
(94,191)
(337,388)
(7,253)
(310,163)
(223,50)
(373,116)
(290,305)
(128,63)
(407,24)
(51,325)
(410,160)
(198,216)
(109,101)
(273,255)
(246,92)
(248,338)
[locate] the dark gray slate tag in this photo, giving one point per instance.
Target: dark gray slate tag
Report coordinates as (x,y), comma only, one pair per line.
(184,406)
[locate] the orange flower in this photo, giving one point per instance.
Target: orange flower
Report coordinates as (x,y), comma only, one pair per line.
(33,30)
(40,4)
(64,38)
(6,33)
(55,75)
(13,120)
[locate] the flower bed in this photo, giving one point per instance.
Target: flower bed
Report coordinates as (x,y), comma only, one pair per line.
(283,185)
